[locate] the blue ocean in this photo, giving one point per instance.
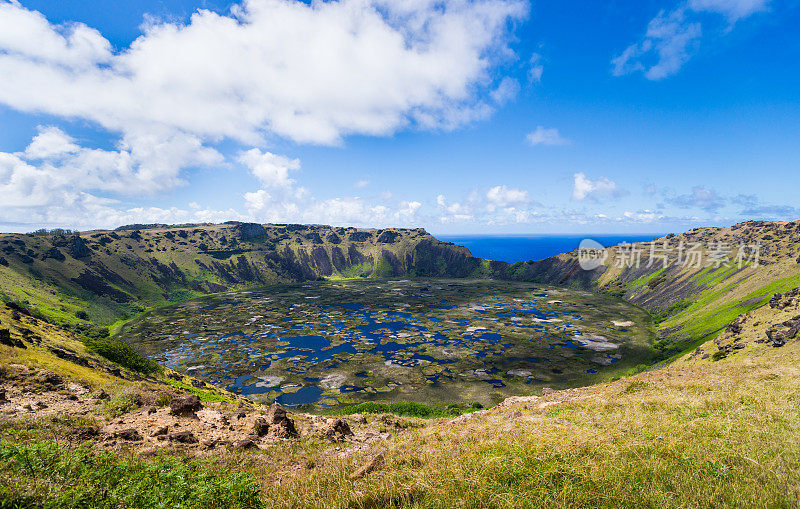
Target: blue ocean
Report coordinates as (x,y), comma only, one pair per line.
(519,248)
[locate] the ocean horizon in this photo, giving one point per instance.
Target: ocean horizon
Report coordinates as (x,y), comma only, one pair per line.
(519,248)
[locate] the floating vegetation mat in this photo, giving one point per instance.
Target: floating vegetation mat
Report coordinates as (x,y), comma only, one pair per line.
(436,341)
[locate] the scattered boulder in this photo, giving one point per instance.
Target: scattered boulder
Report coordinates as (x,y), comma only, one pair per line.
(8,340)
(275,414)
(212,443)
(185,406)
(359,418)
(184,437)
(244,444)
(779,334)
(338,429)
(397,424)
(129,434)
(70,356)
(260,427)
(50,379)
(784,300)
(284,429)
(85,432)
(3,398)
(735,327)
(160,431)
(148,410)
(100,394)
(280,425)
(77,389)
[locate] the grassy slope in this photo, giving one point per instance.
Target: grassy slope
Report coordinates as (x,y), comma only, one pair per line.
(692,434)
(692,304)
(43,340)
(715,434)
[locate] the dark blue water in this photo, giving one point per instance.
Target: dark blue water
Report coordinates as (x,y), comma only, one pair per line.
(519,248)
(304,396)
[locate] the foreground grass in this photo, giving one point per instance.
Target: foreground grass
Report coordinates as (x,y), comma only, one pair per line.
(721,434)
(715,434)
(46,474)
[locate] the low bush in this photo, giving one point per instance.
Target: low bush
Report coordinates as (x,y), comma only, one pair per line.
(719,355)
(122,354)
(122,404)
(403,408)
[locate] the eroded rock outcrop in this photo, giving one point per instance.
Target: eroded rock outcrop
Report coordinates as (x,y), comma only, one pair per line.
(185,406)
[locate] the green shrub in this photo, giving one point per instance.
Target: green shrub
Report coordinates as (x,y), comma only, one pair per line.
(719,355)
(122,354)
(87,330)
(402,408)
(123,404)
(182,294)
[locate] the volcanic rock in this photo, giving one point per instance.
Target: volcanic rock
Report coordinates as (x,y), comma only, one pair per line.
(185,406)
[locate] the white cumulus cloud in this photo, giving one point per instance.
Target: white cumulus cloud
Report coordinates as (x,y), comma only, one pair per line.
(584,188)
(546,136)
(307,72)
(271,169)
(502,196)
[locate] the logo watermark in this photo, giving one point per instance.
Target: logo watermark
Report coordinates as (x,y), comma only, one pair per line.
(592,254)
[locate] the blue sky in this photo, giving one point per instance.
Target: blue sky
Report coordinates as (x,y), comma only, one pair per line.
(486,116)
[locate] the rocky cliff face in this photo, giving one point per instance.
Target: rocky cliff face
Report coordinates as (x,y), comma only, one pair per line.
(108,275)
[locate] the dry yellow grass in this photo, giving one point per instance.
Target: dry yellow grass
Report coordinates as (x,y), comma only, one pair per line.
(719,434)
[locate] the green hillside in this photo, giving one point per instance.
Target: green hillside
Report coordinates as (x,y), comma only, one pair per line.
(691,303)
(96,278)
